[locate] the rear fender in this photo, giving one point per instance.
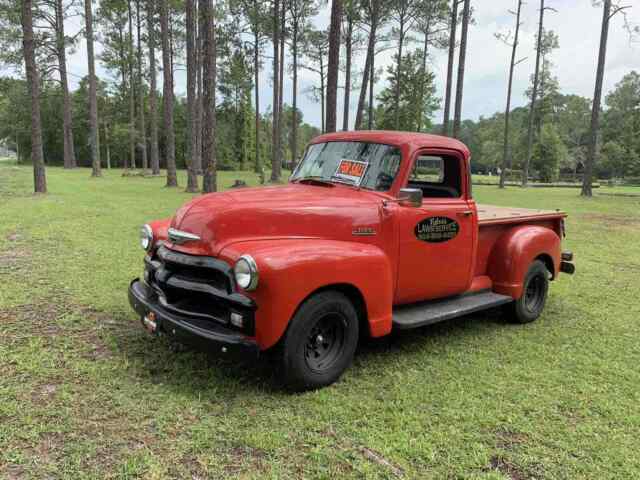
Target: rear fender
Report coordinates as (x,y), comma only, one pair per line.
(514,252)
(290,270)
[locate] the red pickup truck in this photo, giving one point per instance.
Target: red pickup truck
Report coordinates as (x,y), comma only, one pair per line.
(375,231)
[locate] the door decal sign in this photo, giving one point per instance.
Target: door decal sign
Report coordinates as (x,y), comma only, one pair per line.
(437,229)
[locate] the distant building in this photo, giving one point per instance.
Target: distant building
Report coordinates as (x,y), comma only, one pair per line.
(6,153)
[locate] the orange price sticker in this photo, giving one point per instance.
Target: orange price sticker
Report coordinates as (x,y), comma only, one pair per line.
(352,170)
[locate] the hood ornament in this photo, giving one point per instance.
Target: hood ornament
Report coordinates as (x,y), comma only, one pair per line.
(179,237)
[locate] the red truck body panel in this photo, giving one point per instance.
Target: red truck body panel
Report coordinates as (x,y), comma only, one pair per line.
(305,238)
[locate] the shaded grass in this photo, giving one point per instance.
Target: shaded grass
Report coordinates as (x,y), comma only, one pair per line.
(85,394)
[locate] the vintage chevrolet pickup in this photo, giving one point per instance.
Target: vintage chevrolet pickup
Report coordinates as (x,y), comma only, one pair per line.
(375,231)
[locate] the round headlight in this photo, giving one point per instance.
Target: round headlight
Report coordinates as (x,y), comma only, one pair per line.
(146,237)
(246,272)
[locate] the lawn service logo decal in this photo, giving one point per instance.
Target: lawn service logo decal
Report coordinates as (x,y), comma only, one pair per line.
(437,229)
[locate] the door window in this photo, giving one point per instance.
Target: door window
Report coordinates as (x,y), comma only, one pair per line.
(438,176)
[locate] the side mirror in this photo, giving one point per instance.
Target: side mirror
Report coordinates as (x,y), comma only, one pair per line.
(410,197)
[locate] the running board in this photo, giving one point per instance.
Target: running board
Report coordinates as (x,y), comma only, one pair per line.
(433,311)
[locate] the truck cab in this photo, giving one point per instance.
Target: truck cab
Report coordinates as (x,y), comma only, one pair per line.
(375,231)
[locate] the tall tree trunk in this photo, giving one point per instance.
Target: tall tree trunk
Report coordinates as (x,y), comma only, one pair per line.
(333,65)
(106,145)
(209,97)
(197,164)
(452,54)
(534,97)
(280,153)
(143,127)
(365,77)
(323,104)
(506,155)
(96,170)
(372,78)
(33,84)
(597,98)
(294,100)
(347,73)
(457,115)
(539,120)
(132,98)
(256,74)
(396,94)
(167,97)
(153,101)
(425,49)
(192,73)
(123,72)
(67,127)
(276,90)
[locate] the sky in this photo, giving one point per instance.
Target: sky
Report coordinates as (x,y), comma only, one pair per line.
(576,22)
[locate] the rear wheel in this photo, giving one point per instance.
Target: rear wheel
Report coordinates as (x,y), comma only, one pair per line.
(534,294)
(320,342)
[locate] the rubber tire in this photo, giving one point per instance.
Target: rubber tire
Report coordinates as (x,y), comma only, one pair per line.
(517,311)
(294,372)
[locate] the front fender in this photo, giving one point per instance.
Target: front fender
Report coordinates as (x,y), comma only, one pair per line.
(513,253)
(160,229)
(292,269)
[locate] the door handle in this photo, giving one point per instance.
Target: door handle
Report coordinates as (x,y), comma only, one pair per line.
(465,213)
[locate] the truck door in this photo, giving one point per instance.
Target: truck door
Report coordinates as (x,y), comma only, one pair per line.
(436,240)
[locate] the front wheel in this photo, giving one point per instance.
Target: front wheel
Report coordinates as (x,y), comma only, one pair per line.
(320,342)
(534,294)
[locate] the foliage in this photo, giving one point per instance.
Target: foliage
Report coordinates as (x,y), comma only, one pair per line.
(548,153)
(621,120)
(414,107)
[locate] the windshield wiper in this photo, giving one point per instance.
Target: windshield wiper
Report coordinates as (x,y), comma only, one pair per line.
(312,178)
(346,181)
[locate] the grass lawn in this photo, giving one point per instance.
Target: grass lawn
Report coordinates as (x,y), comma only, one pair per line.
(85,393)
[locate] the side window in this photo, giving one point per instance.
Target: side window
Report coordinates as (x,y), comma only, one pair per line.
(428,169)
(438,176)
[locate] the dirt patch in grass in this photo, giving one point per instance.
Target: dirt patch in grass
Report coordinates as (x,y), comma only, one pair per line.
(507,468)
(30,320)
(46,322)
(508,440)
(14,260)
(242,458)
(44,393)
(12,471)
(513,471)
(14,237)
(611,220)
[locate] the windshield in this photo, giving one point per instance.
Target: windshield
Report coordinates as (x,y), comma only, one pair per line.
(368,165)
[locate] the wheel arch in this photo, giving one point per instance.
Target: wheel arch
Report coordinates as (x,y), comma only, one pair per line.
(514,252)
(354,295)
(548,262)
(291,271)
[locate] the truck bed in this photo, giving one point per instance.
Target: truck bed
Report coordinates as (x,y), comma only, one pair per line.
(492,214)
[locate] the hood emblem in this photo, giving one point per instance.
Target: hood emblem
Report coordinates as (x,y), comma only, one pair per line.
(363,231)
(179,237)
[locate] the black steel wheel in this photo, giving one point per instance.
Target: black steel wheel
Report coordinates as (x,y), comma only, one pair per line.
(534,297)
(320,341)
(325,341)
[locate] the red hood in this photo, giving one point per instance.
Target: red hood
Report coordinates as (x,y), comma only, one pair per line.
(293,210)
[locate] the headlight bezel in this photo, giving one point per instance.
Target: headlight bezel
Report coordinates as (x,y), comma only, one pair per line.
(146,237)
(251,271)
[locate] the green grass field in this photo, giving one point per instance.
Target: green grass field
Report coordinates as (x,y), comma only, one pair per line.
(85,393)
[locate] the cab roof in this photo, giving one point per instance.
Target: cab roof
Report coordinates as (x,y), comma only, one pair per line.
(409,139)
